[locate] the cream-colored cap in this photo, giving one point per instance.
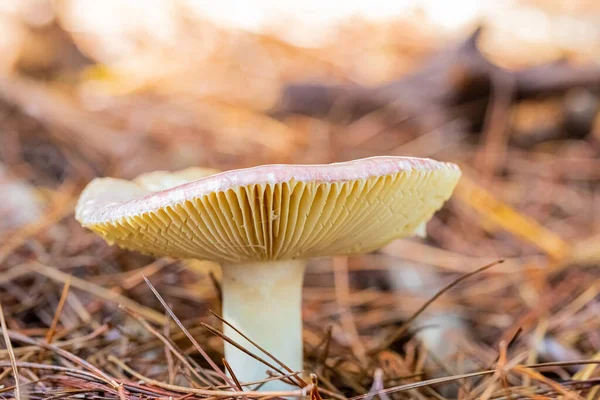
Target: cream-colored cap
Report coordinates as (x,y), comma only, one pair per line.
(270,212)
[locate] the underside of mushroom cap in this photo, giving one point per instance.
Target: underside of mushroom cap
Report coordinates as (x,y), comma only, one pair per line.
(270,212)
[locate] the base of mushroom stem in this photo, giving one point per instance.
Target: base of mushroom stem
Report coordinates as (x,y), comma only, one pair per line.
(264,301)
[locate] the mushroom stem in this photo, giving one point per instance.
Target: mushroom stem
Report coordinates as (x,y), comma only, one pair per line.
(264,301)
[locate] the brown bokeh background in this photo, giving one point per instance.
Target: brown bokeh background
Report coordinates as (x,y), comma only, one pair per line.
(509,90)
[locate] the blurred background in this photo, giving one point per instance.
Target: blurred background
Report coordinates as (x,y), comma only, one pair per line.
(509,90)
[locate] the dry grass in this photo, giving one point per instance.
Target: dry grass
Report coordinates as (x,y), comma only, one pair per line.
(84,321)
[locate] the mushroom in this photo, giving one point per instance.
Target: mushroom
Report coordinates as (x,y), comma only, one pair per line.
(261,224)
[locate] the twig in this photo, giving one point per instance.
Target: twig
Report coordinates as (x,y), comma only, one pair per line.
(4,389)
(172,348)
(402,330)
(208,392)
(99,292)
(323,356)
(299,382)
(240,347)
(216,285)
(58,368)
(58,313)
(493,150)
(187,333)
(122,393)
(436,381)
(168,352)
(235,379)
(262,381)
(342,291)
(13,360)
(63,353)
(62,345)
(539,377)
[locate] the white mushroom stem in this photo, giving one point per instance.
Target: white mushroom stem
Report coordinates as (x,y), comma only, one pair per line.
(264,301)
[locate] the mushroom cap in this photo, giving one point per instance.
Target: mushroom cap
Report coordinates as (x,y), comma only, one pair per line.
(269,212)
(161,180)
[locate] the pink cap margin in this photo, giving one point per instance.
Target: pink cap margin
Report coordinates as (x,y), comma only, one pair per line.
(91,210)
